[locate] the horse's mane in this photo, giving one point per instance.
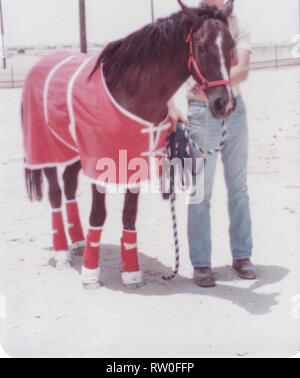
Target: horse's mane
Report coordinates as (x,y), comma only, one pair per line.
(146,46)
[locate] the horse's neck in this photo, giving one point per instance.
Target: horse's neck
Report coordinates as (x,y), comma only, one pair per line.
(148,98)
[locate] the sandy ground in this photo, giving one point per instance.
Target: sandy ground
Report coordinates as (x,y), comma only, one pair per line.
(49,314)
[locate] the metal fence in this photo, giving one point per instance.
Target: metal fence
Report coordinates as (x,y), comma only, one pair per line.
(19,64)
(275,56)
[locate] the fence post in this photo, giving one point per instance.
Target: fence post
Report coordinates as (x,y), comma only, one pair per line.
(152,11)
(2,37)
(82,23)
(276,57)
(12,76)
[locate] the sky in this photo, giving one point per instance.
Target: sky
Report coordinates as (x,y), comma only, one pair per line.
(34,22)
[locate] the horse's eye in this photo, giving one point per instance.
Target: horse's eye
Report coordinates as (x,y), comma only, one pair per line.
(201,49)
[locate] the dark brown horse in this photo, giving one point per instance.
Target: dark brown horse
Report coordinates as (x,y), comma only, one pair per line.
(142,73)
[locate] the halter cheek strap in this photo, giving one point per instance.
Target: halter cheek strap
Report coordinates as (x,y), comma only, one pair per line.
(205,84)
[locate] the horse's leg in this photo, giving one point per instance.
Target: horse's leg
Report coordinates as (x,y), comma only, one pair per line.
(62,254)
(70,179)
(132,276)
(91,269)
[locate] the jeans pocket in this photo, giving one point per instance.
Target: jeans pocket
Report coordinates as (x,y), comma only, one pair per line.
(197,116)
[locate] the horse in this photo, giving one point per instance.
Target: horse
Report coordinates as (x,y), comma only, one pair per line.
(77,109)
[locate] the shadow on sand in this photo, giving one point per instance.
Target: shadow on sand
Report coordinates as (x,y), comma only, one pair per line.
(227,281)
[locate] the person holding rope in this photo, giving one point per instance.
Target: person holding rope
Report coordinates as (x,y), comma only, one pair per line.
(205,131)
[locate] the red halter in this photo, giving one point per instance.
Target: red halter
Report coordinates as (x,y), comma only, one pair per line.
(205,84)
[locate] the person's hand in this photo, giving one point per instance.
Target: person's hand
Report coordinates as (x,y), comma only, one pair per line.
(199,93)
(176,115)
(202,96)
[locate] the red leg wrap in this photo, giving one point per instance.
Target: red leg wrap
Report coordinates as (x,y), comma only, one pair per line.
(92,249)
(75,228)
(60,242)
(129,251)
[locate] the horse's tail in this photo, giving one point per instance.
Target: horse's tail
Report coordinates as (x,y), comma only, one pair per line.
(34,184)
(33,179)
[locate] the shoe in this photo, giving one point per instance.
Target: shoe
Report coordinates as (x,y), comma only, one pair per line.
(245,269)
(204,277)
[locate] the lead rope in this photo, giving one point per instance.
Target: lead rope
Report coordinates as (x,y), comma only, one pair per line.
(175,236)
(204,154)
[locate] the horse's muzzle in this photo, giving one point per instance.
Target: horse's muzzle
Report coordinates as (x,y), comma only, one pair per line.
(222,108)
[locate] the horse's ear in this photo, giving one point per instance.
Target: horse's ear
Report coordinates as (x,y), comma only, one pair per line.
(189,13)
(228,8)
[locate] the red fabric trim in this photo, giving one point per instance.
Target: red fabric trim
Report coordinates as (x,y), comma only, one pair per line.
(205,84)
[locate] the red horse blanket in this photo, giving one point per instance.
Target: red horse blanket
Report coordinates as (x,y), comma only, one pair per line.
(67,117)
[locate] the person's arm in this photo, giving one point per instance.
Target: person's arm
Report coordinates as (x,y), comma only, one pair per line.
(240,70)
(241,57)
(178,107)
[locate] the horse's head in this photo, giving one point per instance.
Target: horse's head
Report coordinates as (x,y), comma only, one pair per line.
(211,48)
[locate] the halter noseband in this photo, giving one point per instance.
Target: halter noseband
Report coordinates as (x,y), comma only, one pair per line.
(205,84)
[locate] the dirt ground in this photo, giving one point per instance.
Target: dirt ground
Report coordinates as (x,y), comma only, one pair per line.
(49,314)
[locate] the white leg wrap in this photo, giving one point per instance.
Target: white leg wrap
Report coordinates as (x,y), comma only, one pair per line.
(62,256)
(62,259)
(90,276)
(131,278)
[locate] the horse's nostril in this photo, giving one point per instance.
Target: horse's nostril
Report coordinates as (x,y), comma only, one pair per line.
(220,104)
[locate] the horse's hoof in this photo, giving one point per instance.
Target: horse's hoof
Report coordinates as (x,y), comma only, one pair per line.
(90,278)
(63,265)
(63,260)
(78,248)
(133,280)
(91,286)
(135,286)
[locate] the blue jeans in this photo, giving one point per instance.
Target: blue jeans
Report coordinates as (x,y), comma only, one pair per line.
(234,158)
